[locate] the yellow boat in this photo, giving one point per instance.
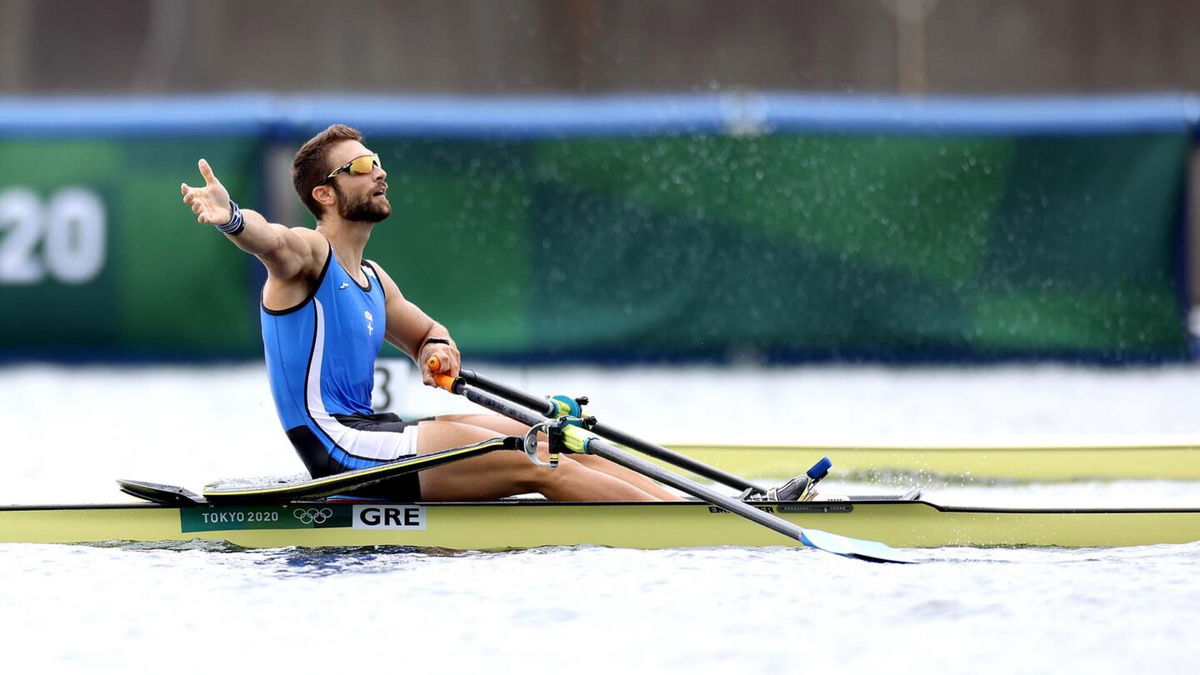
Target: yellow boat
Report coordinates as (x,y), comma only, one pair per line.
(1032,462)
(518,524)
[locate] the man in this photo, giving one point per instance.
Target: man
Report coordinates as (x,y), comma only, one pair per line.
(325,312)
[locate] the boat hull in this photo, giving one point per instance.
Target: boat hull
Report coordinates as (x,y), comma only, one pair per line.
(521,524)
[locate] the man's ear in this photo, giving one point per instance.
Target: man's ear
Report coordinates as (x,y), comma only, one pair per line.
(324,195)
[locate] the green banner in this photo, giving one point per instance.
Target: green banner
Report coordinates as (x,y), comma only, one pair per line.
(793,246)
(675,246)
(99,258)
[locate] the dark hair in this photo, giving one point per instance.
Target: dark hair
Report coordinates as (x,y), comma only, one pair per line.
(311,166)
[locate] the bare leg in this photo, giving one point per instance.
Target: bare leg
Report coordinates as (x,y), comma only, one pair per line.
(504,473)
(511,427)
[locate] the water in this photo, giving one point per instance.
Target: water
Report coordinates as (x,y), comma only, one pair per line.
(595,610)
(589,609)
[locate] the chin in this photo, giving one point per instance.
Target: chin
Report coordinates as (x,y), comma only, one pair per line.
(372,210)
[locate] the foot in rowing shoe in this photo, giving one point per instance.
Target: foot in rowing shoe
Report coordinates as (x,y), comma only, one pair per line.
(798,489)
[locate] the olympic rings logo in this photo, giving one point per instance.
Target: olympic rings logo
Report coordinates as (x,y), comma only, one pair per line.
(313,516)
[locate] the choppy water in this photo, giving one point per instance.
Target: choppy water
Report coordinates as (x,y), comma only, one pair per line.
(595,610)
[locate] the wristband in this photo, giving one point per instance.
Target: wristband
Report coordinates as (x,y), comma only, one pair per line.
(437,341)
(236,223)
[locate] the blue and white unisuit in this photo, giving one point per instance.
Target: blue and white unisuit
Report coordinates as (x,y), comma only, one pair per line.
(321,364)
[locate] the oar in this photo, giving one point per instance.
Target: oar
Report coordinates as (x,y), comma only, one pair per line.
(579,440)
(551,409)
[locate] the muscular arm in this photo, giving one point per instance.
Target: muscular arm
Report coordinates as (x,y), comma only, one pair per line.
(288,253)
(408,327)
(282,250)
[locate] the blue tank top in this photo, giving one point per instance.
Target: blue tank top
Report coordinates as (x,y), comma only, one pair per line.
(321,362)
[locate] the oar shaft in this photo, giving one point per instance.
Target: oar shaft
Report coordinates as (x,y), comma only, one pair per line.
(617,436)
(610,452)
(682,461)
(478,397)
(544,407)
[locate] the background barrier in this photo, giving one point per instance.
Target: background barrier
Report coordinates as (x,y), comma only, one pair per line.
(786,227)
(99,259)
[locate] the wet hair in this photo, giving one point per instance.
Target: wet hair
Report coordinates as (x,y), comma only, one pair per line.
(311,164)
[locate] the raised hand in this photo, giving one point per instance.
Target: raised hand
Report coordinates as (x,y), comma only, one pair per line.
(211,202)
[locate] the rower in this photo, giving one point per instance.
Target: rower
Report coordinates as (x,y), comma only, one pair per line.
(325,312)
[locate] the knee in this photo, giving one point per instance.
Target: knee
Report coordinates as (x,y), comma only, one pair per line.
(540,478)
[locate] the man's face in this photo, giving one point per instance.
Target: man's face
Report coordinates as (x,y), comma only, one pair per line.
(360,197)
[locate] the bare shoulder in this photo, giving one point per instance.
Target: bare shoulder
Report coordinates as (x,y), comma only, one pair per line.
(378,268)
(389,286)
(316,247)
(298,256)
(314,239)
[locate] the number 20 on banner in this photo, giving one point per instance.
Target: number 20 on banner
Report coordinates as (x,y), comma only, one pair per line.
(62,237)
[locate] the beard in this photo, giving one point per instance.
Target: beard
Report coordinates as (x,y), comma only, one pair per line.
(361,209)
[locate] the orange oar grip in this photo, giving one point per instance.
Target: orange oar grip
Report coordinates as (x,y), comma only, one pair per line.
(443,381)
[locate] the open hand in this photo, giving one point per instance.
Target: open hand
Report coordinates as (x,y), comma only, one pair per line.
(211,202)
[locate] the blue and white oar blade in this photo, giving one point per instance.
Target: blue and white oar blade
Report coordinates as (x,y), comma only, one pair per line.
(873,551)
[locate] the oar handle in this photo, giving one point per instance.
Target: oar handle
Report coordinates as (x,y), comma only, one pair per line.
(442,380)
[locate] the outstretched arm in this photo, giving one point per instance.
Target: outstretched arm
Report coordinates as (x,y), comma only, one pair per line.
(418,335)
(285,252)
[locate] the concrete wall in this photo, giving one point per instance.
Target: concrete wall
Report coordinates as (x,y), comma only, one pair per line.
(527,46)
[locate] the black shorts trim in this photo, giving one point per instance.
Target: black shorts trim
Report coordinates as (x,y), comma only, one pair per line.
(378,422)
